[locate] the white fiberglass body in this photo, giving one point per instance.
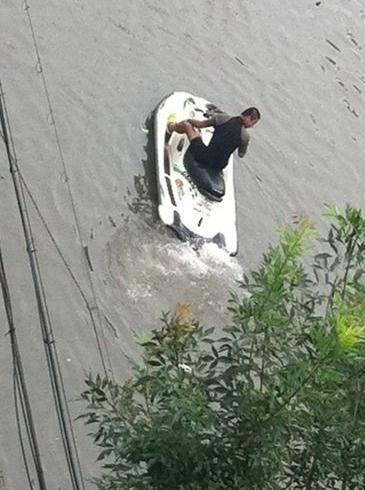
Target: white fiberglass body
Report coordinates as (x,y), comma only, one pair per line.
(181,205)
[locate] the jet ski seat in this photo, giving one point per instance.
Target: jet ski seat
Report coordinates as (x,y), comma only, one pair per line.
(209,181)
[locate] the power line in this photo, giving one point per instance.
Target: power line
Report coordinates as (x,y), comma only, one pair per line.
(94,310)
(64,419)
(65,263)
(20,389)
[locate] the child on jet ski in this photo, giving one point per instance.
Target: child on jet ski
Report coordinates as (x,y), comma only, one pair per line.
(230,133)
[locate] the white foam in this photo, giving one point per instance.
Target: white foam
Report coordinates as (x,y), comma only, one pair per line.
(181,259)
(139,291)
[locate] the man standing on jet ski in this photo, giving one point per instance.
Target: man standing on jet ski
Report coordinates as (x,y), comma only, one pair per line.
(230,133)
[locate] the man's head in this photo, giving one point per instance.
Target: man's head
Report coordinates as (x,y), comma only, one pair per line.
(250,117)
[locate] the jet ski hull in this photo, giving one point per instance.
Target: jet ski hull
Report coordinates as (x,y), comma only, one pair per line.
(196,214)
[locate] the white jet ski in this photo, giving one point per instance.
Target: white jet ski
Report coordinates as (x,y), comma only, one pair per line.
(199,210)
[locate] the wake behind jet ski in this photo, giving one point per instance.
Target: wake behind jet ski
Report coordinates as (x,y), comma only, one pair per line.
(196,192)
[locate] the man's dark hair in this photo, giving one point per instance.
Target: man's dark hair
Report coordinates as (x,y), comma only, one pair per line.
(252,112)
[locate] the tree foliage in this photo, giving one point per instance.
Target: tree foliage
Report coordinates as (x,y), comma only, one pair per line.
(276,400)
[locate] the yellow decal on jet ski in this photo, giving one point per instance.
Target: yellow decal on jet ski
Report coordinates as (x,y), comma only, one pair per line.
(180,187)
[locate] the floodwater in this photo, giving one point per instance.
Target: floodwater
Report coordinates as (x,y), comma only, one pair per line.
(106,66)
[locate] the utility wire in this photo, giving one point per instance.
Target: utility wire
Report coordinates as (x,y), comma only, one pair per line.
(65,424)
(94,310)
(65,263)
(20,389)
(52,238)
(19,429)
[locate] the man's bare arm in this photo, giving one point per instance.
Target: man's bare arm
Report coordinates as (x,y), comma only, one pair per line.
(244,144)
(242,151)
(201,124)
